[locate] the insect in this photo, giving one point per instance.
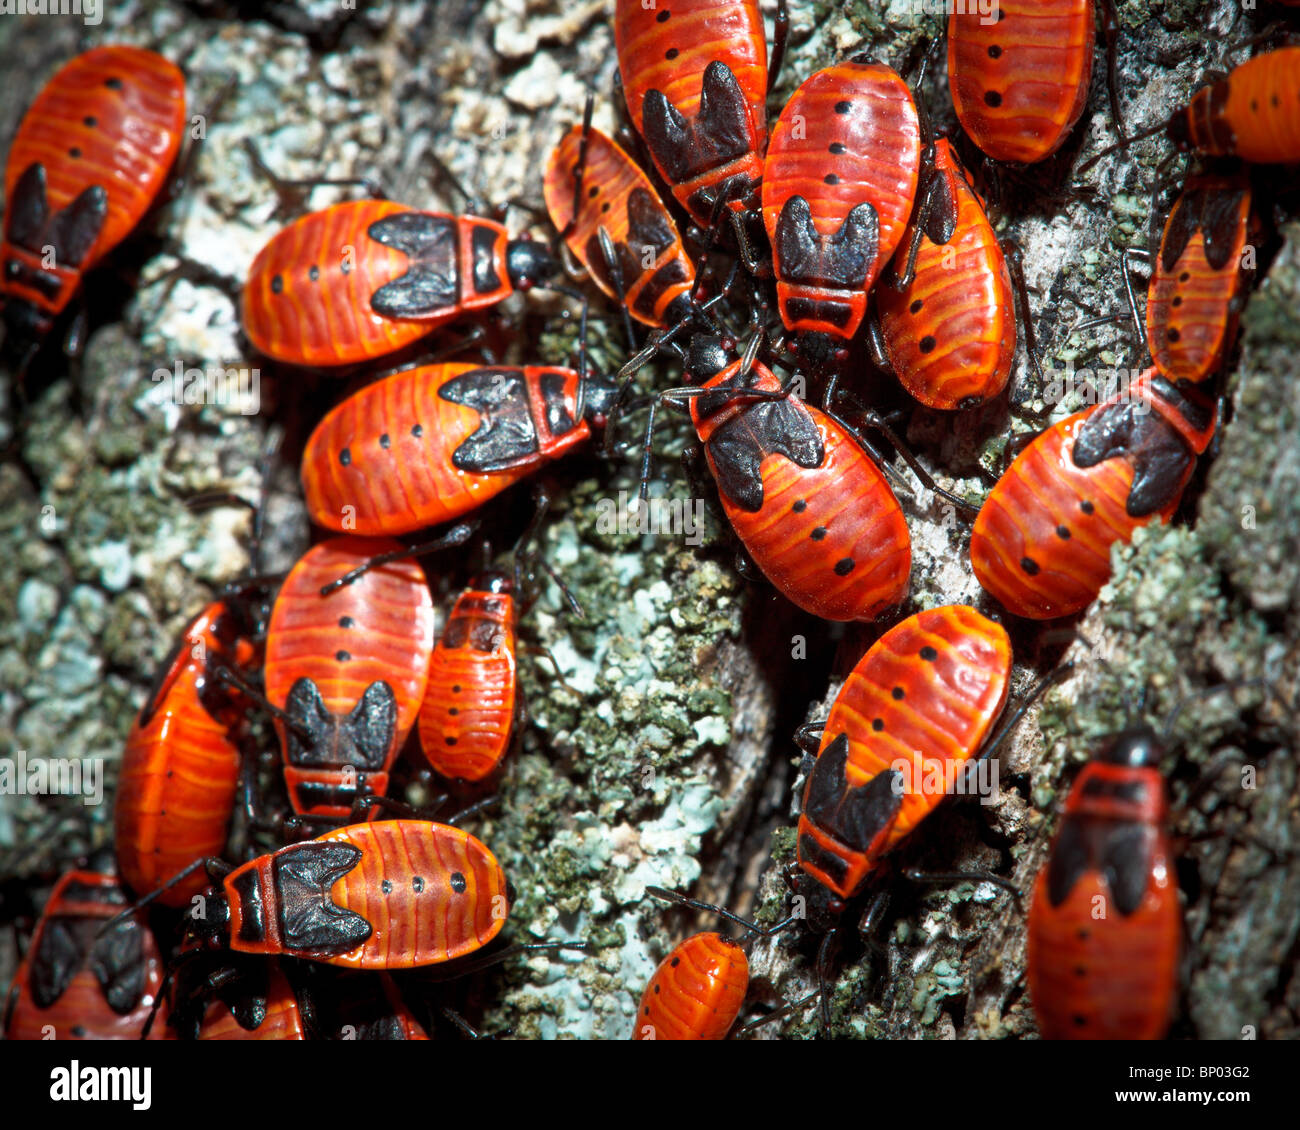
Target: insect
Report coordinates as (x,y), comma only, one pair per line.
(950,333)
(838,186)
(180,768)
(390,894)
(1041,542)
(885,760)
(429,444)
(696,993)
(811,508)
(365,279)
(621,231)
(1019,74)
(78,982)
(1104,926)
(1200,279)
(349,671)
(470,706)
(695,77)
(260,1004)
(90,158)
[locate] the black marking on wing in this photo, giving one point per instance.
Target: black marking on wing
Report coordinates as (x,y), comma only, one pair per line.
(719,133)
(1159,454)
(117,961)
(361,738)
(507,436)
(840,260)
(854,816)
(310,920)
(432,281)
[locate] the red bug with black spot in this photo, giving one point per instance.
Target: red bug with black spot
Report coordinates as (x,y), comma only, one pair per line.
(390,894)
(810,506)
(1041,543)
(260,1005)
(696,993)
(695,78)
(79,983)
(839,183)
(367,278)
(349,669)
(1019,74)
(180,768)
(915,711)
(1105,930)
(429,444)
(622,233)
(468,716)
(1200,280)
(950,333)
(90,158)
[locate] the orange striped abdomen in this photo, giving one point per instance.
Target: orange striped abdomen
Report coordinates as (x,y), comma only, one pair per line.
(849,136)
(657,274)
(411,893)
(1253,114)
(951,335)
(387,460)
(1019,77)
(1196,289)
(467,719)
(112,118)
(916,708)
(696,993)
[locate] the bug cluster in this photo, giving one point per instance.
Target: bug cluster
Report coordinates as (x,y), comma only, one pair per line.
(750,245)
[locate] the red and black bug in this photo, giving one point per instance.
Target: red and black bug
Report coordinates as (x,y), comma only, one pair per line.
(90,158)
(79,981)
(348,670)
(1019,74)
(432,443)
(696,993)
(1041,542)
(392,894)
(365,279)
(839,182)
(468,716)
(910,716)
(258,1004)
(1201,277)
(180,768)
(621,233)
(695,78)
(950,333)
(1104,930)
(810,506)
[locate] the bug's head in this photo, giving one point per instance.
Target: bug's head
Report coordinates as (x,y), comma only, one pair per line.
(24,324)
(821,353)
(1136,748)
(599,397)
(209,921)
(821,908)
(530,263)
(494,581)
(706,356)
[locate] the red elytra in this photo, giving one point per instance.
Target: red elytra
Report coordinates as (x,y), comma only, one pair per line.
(812,509)
(1198,285)
(90,158)
(1104,931)
(1041,542)
(76,984)
(364,279)
(910,716)
(655,272)
(350,668)
(695,79)
(429,444)
(696,993)
(839,182)
(469,710)
(392,894)
(180,768)
(950,335)
(1019,74)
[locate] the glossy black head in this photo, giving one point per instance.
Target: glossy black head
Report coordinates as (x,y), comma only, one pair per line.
(599,396)
(529,263)
(706,357)
(493,581)
(212,931)
(822,908)
(1136,748)
(822,353)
